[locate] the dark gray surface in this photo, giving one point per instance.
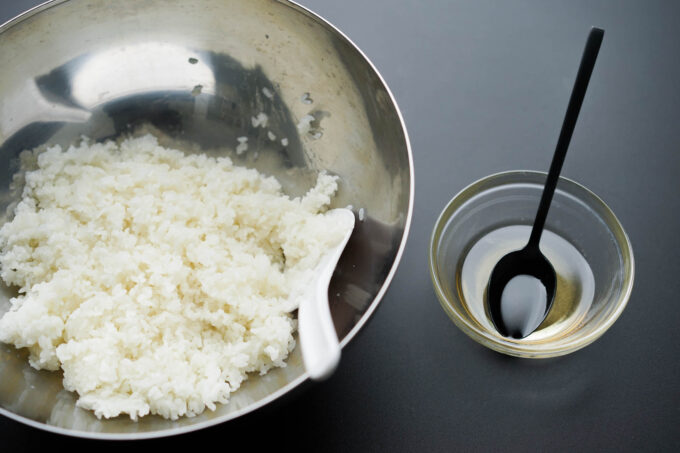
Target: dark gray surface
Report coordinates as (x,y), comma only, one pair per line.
(483,86)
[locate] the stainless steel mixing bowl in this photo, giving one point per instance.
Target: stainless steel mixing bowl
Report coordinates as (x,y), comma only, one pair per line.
(195,73)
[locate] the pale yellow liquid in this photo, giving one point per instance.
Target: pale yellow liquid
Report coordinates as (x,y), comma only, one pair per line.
(575,281)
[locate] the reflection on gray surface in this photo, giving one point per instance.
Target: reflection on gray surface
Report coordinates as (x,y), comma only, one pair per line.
(196,77)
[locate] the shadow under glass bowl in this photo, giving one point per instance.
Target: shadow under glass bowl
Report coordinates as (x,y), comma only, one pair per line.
(582,238)
(195,74)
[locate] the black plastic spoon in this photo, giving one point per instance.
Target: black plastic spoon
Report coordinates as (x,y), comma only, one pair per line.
(522,284)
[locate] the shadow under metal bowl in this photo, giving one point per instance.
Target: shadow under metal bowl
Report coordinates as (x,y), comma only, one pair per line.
(194,74)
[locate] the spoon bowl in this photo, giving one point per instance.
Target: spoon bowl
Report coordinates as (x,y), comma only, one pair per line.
(518,317)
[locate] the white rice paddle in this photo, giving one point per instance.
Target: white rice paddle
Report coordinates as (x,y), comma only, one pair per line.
(319,342)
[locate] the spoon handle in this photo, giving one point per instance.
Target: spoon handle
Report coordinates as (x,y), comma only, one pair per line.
(577,94)
(318,340)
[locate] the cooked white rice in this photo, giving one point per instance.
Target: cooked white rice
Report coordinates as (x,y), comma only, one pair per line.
(260,120)
(156,280)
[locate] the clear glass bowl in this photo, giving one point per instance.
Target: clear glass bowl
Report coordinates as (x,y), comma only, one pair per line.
(585,225)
